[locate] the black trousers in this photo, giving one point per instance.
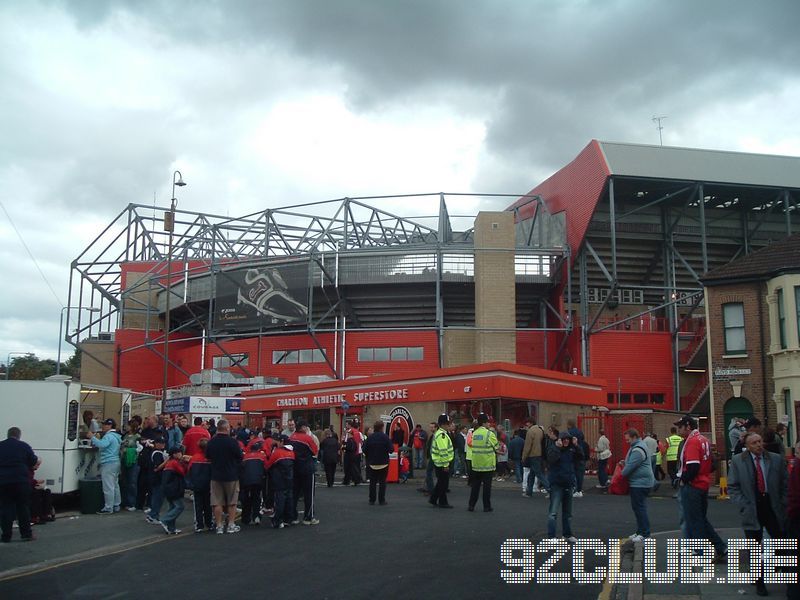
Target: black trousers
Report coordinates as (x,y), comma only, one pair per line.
(768,521)
(439,494)
(15,502)
(330,473)
(143,488)
(352,468)
(203,515)
(478,478)
(303,485)
(250,496)
(377,478)
(283,507)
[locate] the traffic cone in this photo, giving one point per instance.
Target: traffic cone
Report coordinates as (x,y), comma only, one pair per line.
(723,481)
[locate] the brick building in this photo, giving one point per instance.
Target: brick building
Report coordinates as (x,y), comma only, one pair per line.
(752,308)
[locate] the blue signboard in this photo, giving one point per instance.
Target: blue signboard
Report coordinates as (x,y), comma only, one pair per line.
(233,405)
(345,406)
(175,405)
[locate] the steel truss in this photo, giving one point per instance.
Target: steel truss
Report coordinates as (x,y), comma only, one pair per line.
(683,224)
(317,233)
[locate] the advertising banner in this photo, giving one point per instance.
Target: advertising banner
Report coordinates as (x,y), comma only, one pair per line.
(261,297)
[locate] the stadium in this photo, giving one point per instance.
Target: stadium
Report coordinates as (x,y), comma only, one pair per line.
(590,281)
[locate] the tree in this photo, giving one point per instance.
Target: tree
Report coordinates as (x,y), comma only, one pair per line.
(73,365)
(29,367)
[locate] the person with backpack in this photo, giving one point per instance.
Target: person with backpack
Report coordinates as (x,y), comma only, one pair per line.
(174,485)
(533,456)
(637,469)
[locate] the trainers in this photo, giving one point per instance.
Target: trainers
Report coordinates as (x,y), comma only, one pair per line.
(147,510)
(279,526)
(174,532)
(257,521)
(311,522)
(105,512)
(234,528)
(636,538)
(151,520)
(164,527)
(296,522)
(600,486)
(220,530)
(199,530)
(571,539)
(577,495)
(131,509)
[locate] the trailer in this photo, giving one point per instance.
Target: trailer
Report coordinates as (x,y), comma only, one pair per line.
(49,413)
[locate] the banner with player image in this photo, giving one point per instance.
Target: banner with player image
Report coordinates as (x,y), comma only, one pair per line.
(261,297)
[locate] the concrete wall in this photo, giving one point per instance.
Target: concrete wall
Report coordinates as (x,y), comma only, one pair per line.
(495,293)
(458,348)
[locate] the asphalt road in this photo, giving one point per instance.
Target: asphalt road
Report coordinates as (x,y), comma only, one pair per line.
(403,550)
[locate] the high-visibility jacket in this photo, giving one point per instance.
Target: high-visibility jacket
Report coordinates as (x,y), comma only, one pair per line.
(672,452)
(442,449)
(484,450)
(468,447)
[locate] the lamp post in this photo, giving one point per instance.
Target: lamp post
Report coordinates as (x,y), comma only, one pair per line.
(61,328)
(169,226)
(8,361)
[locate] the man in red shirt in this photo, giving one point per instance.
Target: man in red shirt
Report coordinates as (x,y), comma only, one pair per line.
(194,435)
(695,467)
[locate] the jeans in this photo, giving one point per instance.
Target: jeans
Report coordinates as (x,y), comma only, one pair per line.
(173,512)
(156,500)
(694,503)
(109,473)
(560,496)
(458,462)
(15,502)
(419,457)
(131,485)
(429,477)
(602,471)
(535,464)
(518,471)
(639,506)
(580,471)
(377,478)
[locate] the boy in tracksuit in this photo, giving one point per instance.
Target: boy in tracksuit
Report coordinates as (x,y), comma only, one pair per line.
(200,481)
(157,460)
(280,465)
(250,483)
(305,451)
(173,487)
(267,494)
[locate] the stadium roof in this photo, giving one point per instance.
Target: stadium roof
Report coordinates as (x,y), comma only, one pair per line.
(692,164)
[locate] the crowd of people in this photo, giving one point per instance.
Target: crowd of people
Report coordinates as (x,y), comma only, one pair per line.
(264,472)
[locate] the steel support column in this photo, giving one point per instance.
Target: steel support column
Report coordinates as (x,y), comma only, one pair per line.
(786,212)
(702,205)
(613,225)
(584,314)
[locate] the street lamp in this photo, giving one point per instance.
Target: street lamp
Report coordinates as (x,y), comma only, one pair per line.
(8,361)
(91,309)
(169,225)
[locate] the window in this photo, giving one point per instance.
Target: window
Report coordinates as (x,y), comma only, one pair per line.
(640,398)
(797,310)
(293,357)
(234,360)
(781,318)
(733,324)
(397,353)
(657,398)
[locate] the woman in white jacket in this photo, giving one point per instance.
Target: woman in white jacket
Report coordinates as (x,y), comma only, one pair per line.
(603,451)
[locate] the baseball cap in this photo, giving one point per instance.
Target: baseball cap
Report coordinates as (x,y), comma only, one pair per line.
(565,435)
(686,420)
(111,422)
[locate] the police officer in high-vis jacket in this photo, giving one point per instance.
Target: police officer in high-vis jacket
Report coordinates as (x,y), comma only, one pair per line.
(441,455)
(484,462)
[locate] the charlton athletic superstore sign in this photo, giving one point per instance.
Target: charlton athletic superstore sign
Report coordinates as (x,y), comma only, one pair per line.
(356,397)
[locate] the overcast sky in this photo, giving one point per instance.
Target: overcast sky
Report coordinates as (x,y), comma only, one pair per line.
(263,104)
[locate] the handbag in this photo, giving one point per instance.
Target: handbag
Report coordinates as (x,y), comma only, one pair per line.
(620,485)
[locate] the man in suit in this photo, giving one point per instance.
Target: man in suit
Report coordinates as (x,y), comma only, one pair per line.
(758,483)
